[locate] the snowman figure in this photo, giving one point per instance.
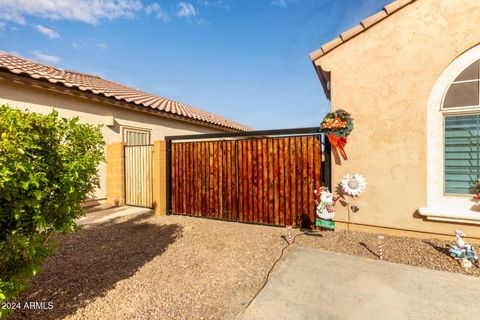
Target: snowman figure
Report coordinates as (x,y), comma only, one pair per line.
(325,209)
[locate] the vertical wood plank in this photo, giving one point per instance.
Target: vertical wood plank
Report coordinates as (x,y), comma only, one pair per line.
(173,178)
(198,180)
(184,180)
(191,180)
(281,180)
(249,180)
(228,190)
(219,161)
(298,181)
(276,195)
(224,181)
(254,181)
(240,181)
(265,180)
(207,179)
(244,182)
(187,179)
(180,178)
(288,182)
(204,178)
(259,193)
(271,184)
(175,190)
(194,178)
(305,179)
(311,178)
(212,180)
(234,180)
(190,176)
(317,153)
(208,159)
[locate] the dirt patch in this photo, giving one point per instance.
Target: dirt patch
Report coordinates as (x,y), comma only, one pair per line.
(155,268)
(428,253)
(186,268)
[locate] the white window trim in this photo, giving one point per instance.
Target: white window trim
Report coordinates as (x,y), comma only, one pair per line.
(136,129)
(442,207)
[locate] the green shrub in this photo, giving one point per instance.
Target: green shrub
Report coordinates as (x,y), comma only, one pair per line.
(48,166)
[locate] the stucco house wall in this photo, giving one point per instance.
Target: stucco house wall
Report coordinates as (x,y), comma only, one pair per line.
(385,77)
(27,94)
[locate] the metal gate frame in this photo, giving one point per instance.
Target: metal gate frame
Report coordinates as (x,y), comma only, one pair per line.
(326,170)
(126,173)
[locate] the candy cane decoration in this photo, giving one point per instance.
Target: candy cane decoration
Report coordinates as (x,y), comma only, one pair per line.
(289,235)
(381,248)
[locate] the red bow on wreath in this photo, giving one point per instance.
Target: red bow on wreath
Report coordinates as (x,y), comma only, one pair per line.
(339,144)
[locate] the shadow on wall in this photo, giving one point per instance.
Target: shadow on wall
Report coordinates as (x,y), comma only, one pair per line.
(90,262)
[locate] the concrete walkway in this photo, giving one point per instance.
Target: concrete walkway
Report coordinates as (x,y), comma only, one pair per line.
(110,214)
(315,284)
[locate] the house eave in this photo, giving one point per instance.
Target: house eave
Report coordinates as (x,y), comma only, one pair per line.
(324,77)
(45,85)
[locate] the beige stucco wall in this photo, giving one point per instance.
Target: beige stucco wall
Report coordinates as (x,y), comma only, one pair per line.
(25,96)
(384,77)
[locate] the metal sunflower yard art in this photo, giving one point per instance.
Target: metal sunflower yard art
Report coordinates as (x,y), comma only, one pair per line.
(352,186)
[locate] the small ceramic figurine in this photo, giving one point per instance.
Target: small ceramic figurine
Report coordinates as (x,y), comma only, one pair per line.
(325,209)
(462,250)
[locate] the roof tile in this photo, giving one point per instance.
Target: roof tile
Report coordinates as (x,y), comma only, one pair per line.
(316,54)
(351,32)
(394,6)
(332,44)
(370,21)
(110,89)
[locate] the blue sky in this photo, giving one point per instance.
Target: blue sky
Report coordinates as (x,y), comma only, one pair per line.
(244,59)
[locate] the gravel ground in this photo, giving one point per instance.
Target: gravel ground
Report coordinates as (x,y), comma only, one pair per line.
(176,267)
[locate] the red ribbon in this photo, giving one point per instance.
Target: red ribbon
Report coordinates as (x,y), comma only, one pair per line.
(339,144)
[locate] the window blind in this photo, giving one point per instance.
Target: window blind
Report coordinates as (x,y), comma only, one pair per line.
(462,154)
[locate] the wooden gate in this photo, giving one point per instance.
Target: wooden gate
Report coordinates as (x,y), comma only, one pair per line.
(139,176)
(265,180)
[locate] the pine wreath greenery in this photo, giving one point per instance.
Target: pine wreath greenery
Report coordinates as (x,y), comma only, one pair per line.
(339,123)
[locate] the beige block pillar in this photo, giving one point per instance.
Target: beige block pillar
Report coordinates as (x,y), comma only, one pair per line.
(159,178)
(115,174)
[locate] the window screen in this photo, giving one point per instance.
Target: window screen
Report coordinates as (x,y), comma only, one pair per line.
(136,137)
(462,153)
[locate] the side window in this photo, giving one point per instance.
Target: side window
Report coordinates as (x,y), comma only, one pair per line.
(136,137)
(461,110)
(462,154)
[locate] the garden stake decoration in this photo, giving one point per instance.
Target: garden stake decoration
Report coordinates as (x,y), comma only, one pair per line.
(381,248)
(338,125)
(289,234)
(353,185)
(325,209)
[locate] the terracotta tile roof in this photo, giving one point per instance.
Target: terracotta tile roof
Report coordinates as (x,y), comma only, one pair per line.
(388,10)
(96,85)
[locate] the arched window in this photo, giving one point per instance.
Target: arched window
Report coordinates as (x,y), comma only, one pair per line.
(461,110)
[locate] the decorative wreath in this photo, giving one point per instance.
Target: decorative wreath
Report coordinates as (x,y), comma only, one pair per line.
(338,123)
(338,126)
